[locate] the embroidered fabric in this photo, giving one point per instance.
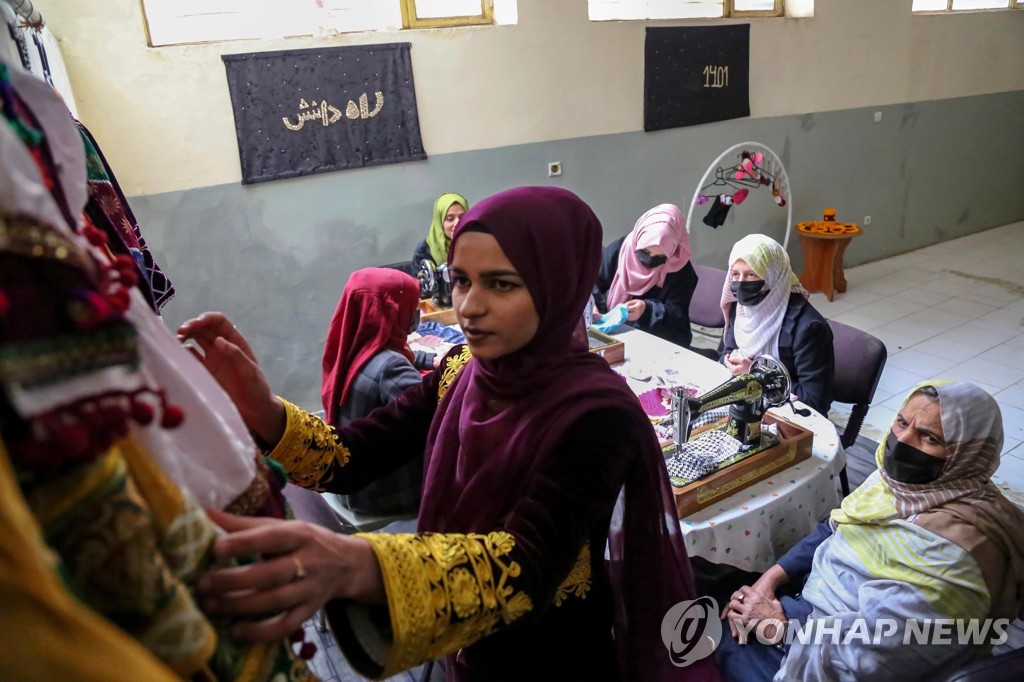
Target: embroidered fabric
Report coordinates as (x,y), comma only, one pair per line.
(579,581)
(308,449)
(446,591)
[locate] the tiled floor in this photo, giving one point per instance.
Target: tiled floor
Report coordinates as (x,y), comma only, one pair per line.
(951,310)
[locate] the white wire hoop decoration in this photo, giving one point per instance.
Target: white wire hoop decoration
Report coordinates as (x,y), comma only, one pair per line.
(772,162)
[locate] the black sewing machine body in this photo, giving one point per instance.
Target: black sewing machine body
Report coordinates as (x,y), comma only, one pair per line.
(748,397)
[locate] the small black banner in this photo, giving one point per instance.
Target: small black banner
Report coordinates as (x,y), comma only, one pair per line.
(299,112)
(696,75)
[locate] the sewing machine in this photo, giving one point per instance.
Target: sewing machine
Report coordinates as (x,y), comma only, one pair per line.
(766,384)
(435,284)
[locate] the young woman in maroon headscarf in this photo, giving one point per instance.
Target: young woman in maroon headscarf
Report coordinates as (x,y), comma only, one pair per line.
(537,457)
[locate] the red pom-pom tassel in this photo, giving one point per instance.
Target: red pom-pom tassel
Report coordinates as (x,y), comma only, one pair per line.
(172,417)
(142,413)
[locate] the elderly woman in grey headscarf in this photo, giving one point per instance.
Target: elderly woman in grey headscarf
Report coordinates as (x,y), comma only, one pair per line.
(926,537)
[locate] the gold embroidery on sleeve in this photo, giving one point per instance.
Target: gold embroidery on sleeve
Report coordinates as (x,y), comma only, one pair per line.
(453,365)
(446,591)
(578,582)
(308,449)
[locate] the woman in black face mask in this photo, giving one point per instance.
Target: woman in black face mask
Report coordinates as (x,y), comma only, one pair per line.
(649,270)
(926,537)
(767,313)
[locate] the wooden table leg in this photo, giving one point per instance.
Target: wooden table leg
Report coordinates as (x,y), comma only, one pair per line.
(819,264)
(838,278)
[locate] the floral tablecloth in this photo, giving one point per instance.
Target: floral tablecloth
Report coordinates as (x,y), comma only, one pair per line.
(757,525)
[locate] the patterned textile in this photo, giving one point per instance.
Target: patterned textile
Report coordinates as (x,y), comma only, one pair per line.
(894,572)
(107,200)
(702,455)
(97,448)
(455,590)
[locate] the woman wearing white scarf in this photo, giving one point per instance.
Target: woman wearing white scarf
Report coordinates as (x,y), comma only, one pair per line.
(767,313)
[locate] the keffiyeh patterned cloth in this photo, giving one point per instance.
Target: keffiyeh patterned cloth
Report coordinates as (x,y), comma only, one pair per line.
(757,327)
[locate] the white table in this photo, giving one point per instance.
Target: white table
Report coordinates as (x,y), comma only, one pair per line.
(752,528)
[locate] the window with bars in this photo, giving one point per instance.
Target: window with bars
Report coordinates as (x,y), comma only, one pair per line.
(612,10)
(964,5)
(180,22)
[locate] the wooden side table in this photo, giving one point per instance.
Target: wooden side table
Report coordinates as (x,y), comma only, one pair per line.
(823,243)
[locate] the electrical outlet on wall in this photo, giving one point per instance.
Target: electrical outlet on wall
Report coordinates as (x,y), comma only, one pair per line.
(878,117)
(554,168)
(867,220)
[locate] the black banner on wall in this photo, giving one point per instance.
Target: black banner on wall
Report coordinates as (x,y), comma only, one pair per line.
(299,112)
(696,75)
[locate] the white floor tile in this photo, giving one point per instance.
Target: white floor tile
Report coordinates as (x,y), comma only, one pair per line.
(961,306)
(1011,471)
(1005,353)
(890,309)
(918,362)
(1013,422)
(1015,342)
(859,320)
(995,374)
(937,317)
(1002,320)
(952,285)
(924,296)
(990,293)
(1017,305)
(982,340)
(889,284)
(857,296)
(947,348)
(898,381)
(915,331)
(894,342)
(877,422)
(831,310)
(1012,396)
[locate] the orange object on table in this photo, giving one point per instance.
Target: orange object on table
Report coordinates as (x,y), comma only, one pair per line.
(824,242)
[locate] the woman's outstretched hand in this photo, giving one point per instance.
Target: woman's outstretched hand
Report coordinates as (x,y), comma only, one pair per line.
(229,358)
(301,567)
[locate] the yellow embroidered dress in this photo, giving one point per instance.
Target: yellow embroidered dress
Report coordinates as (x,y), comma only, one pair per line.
(500,602)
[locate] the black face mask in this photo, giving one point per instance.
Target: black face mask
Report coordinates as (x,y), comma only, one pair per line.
(415,322)
(749,293)
(649,261)
(907,464)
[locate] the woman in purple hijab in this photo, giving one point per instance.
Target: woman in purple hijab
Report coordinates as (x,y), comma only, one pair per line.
(547,546)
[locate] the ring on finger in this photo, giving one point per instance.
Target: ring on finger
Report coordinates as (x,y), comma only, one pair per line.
(300,570)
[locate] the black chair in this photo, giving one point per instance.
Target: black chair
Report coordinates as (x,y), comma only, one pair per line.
(406,266)
(860,359)
(1005,667)
(706,304)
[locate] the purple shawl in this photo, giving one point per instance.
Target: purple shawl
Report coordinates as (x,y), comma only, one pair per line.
(478,464)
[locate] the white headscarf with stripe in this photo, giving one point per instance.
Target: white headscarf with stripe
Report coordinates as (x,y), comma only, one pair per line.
(757,327)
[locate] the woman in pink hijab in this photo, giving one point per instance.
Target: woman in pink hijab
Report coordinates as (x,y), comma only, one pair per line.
(650,271)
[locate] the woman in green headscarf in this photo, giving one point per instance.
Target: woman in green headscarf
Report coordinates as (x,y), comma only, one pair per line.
(448,211)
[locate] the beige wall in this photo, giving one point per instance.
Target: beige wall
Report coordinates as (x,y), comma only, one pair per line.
(164,118)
